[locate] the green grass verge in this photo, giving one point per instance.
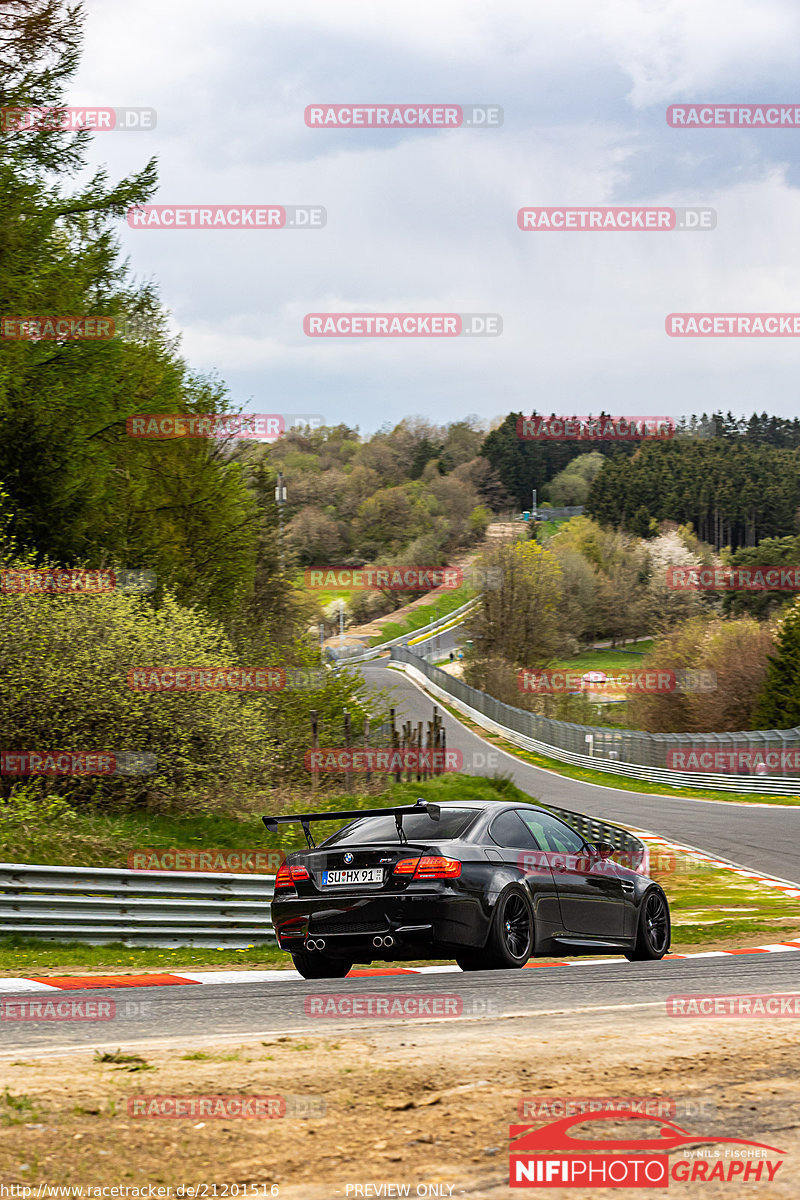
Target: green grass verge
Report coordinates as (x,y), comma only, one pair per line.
(613,714)
(325,595)
(606,659)
(98,839)
(712,907)
(447,603)
(30,956)
(101,839)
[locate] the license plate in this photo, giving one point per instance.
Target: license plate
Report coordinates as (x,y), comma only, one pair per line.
(354,875)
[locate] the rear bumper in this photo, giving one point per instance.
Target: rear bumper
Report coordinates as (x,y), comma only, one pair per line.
(415,922)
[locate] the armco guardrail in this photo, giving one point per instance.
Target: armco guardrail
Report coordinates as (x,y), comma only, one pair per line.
(629,752)
(140,908)
(637,855)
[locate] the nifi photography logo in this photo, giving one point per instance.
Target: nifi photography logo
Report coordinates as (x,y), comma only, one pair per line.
(561,1154)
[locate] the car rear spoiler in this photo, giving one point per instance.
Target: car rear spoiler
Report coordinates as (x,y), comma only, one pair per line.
(422,806)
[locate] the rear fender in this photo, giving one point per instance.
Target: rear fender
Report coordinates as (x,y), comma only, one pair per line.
(546,922)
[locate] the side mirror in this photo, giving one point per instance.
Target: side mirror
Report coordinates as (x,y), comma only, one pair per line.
(603,849)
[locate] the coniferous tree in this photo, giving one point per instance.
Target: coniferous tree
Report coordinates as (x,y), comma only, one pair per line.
(779,704)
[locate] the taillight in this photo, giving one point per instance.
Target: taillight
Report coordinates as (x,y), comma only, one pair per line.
(284,877)
(428,867)
(287,876)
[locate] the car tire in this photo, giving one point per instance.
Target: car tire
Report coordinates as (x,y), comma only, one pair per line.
(511,936)
(321,966)
(653,931)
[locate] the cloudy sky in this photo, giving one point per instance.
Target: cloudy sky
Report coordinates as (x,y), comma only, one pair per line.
(425,221)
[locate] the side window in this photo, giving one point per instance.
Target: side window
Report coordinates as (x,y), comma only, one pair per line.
(508,830)
(551,834)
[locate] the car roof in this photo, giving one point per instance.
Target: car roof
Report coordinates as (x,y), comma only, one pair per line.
(490,804)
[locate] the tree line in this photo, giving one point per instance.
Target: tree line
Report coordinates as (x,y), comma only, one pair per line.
(734,492)
(588,582)
(735,479)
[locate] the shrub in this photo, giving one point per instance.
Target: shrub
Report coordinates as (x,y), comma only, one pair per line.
(65,662)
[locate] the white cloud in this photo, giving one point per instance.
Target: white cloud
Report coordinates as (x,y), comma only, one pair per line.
(428,222)
(677,49)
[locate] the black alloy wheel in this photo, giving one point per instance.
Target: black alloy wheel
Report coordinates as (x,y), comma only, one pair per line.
(653,934)
(511,937)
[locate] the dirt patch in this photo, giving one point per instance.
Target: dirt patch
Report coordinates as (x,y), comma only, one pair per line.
(410,1104)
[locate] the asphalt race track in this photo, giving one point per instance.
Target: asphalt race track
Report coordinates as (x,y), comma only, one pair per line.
(214,1013)
(764,837)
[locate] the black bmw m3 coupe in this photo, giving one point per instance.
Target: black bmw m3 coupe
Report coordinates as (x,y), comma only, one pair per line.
(490,884)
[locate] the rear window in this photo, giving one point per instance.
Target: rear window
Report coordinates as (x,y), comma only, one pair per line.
(416,827)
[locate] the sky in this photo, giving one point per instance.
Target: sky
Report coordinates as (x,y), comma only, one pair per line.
(426,220)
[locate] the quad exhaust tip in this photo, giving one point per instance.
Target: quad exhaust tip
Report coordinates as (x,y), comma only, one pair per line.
(379,942)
